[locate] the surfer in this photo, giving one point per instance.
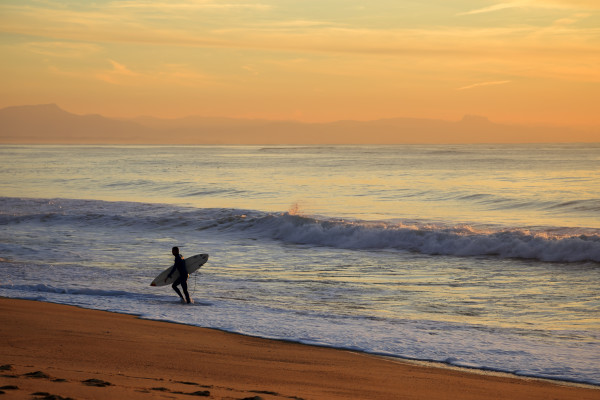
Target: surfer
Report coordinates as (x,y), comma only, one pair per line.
(183,276)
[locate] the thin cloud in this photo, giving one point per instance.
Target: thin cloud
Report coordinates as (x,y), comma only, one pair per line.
(537,4)
(62,49)
(480,84)
(121,69)
(496,7)
(119,74)
(186,5)
(165,74)
(300,24)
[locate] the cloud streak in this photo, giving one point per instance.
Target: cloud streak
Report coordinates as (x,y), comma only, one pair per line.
(496,7)
(62,49)
(186,5)
(537,4)
(480,84)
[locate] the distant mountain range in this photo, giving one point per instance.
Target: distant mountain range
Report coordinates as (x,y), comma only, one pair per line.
(49,124)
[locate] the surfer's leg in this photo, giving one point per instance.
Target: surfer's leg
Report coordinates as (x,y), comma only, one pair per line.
(176,289)
(185,291)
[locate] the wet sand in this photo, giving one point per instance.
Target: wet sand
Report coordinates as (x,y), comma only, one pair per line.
(59,352)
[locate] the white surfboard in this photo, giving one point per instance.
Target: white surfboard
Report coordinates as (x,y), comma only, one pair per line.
(192,264)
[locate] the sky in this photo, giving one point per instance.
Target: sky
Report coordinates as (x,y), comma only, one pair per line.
(521,61)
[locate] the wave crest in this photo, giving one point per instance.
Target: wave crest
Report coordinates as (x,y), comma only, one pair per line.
(549,244)
(431,239)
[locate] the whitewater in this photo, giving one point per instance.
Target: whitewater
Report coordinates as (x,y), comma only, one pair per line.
(480,256)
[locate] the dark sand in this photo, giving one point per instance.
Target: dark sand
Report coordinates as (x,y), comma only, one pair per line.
(60,351)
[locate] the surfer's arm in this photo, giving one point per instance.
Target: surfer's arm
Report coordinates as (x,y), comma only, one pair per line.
(171,273)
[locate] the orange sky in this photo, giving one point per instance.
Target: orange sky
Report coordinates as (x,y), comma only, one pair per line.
(521,61)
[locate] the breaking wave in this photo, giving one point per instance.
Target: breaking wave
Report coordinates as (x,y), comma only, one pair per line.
(544,244)
(431,239)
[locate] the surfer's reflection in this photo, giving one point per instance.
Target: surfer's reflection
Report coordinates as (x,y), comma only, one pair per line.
(183,276)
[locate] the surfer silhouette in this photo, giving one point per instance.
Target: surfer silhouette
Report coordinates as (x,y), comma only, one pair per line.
(183,276)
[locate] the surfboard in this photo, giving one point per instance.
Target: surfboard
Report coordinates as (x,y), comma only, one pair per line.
(192,264)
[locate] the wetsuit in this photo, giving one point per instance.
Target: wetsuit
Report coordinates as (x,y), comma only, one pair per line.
(183,276)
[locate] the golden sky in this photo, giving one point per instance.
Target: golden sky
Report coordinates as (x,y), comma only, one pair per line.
(521,61)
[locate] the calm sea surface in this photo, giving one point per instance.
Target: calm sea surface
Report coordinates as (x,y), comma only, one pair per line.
(485,256)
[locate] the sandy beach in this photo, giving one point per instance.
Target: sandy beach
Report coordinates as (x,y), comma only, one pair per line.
(52,351)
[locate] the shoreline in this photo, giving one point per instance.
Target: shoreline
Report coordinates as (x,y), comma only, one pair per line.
(140,358)
(391,358)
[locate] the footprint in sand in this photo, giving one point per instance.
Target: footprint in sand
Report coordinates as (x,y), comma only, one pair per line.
(201,393)
(37,374)
(7,367)
(96,382)
(8,387)
(48,396)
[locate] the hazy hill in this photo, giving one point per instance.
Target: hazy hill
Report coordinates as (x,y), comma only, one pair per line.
(50,124)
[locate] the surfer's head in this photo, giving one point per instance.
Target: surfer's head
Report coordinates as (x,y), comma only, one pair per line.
(175,250)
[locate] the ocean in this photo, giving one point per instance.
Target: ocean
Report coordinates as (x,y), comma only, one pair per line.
(479,256)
